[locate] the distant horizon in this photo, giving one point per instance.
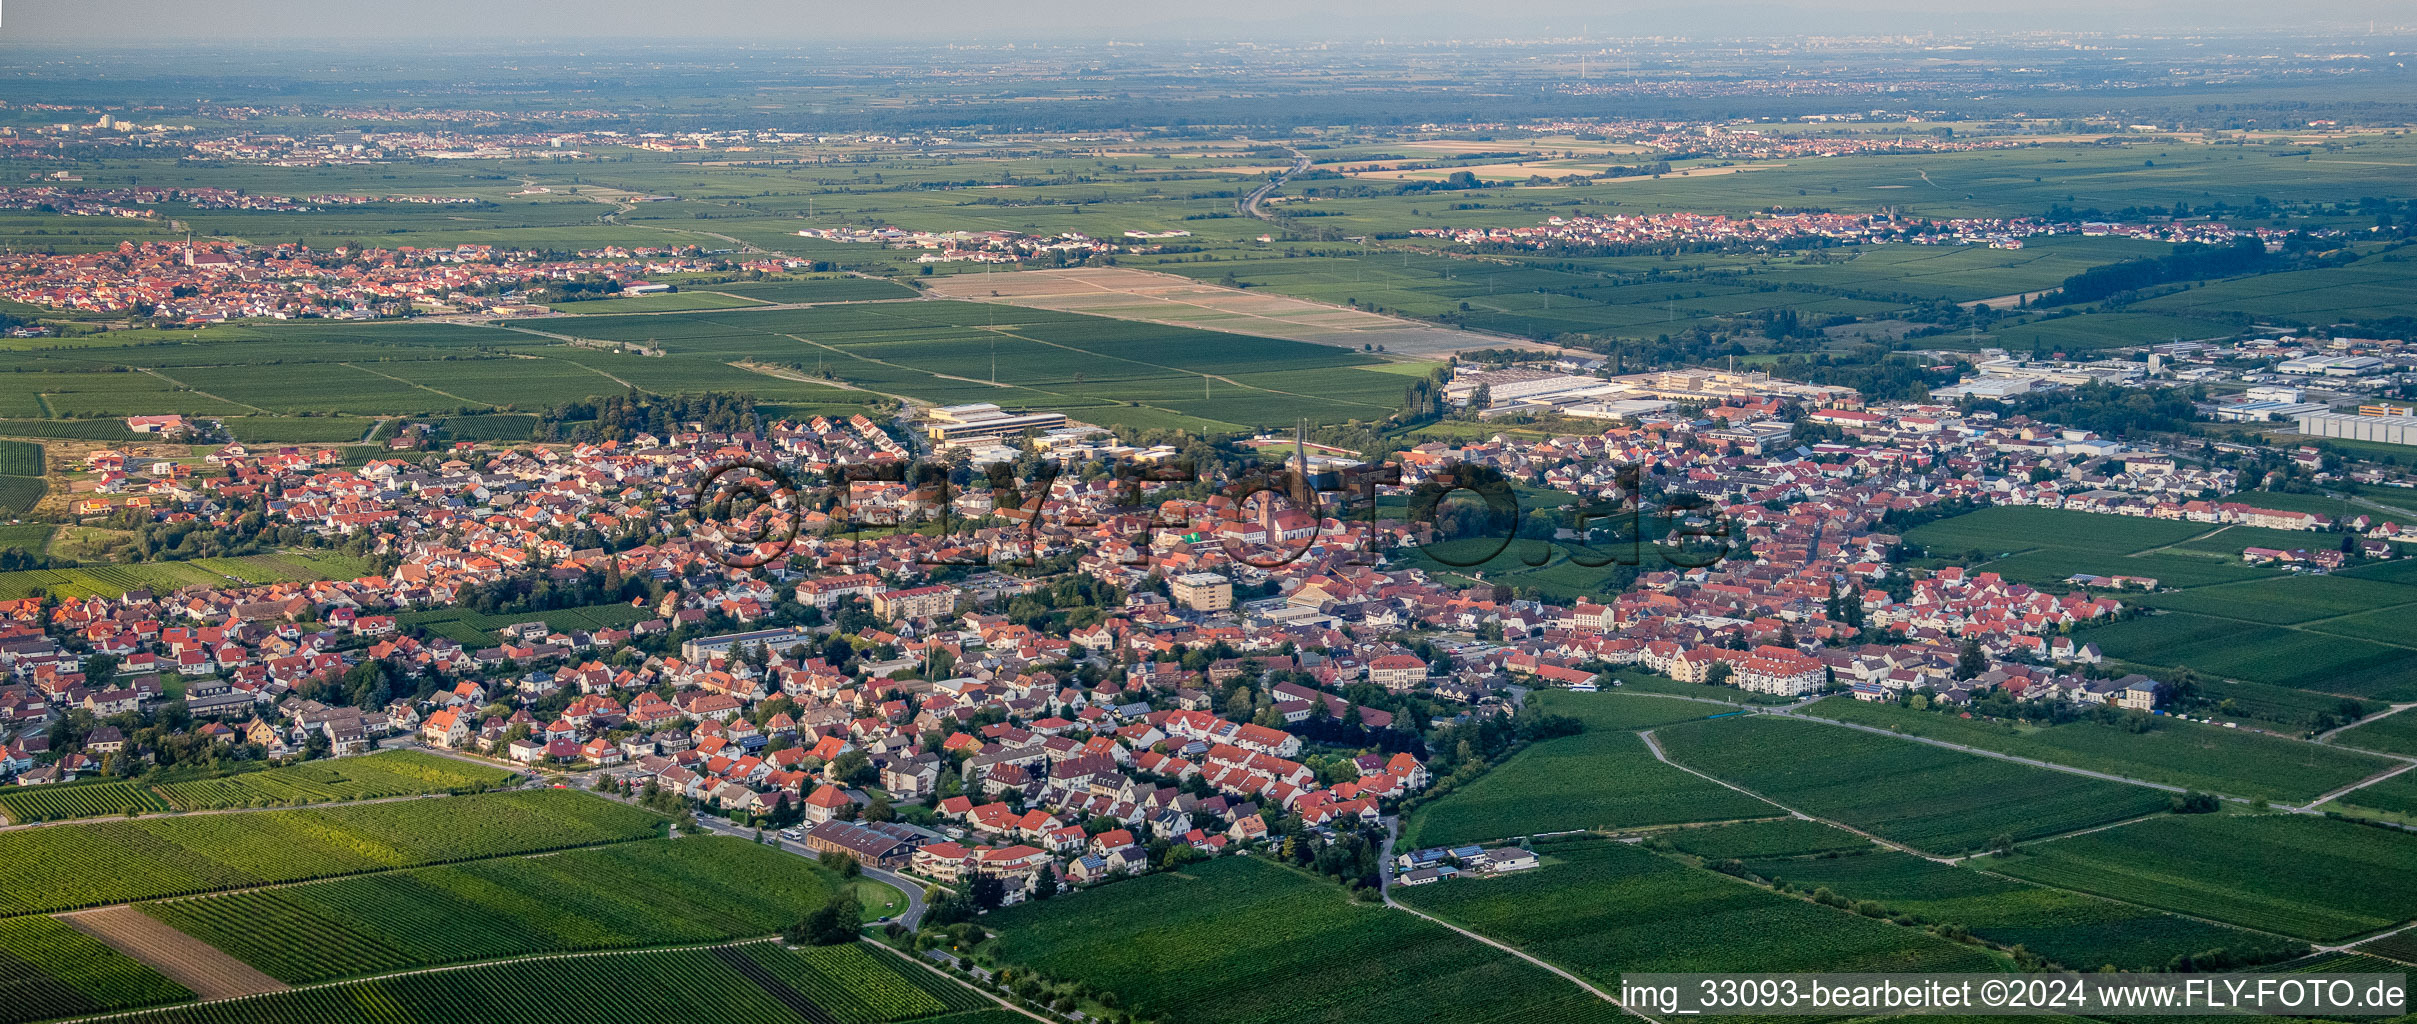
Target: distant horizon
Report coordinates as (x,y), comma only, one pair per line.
(173,23)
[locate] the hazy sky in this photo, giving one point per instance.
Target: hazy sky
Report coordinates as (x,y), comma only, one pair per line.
(806,21)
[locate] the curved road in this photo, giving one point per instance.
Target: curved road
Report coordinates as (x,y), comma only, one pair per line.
(1248,205)
(911,917)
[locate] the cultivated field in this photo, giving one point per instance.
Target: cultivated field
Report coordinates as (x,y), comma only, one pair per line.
(2079,931)
(187,961)
(1777,838)
(1128,294)
(1924,796)
(2344,880)
(165,577)
(61,867)
(664,892)
(1243,941)
(2174,752)
(2012,528)
(390,773)
(48,970)
(2275,655)
(1601,908)
(470,627)
(756,981)
(2394,796)
(2264,631)
(1603,778)
(76,800)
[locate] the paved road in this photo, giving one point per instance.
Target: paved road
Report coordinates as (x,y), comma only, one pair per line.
(1249,205)
(2327,735)
(911,917)
(2311,806)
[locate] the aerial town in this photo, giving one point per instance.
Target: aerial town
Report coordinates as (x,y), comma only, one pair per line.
(1082,514)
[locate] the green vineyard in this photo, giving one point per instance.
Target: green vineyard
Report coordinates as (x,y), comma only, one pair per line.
(759,982)
(2343,879)
(663,892)
(1176,946)
(393,773)
(23,804)
(62,867)
(48,969)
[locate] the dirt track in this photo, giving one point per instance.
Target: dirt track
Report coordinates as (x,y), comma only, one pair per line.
(185,960)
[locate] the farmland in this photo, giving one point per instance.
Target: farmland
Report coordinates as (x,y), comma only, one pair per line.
(2338,634)
(2288,600)
(1924,796)
(2172,751)
(2393,796)
(2010,528)
(392,773)
(1092,368)
(2080,931)
(756,981)
(1775,838)
(1600,908)
(2345,879)
(1242,941)
(61,867)
(163,577)
(1601,778)
(471,627)
(48,969)
(76,800)
(263,378)
(663,892)
(670,302)
(2275,655)
(817,289)
(21,468)
(2402,947)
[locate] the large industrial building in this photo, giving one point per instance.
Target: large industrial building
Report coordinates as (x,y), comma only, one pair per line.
(982,421)
(2350,427)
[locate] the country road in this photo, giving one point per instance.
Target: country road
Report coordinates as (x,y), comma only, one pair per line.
(2307,808)
(911,917)
(1654,746)
(1790,711)
(1384,885)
